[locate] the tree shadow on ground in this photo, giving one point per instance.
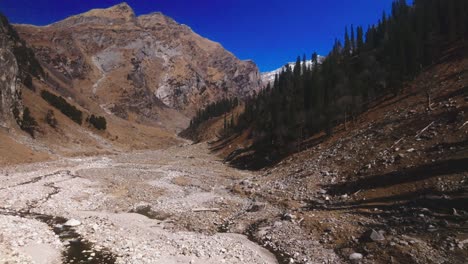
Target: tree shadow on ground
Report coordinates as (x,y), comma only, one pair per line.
(423,172)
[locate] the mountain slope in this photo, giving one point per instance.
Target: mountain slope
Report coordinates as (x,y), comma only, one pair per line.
(400,168)
(27,133)
(137,67)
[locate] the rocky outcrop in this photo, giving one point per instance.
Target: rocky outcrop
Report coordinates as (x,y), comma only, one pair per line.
(9,93)
(131,64)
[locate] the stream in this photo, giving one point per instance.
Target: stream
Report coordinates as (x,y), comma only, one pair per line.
(78,250)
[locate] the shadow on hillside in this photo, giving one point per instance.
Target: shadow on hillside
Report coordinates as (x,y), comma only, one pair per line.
(419,173)
(442,202)
(253,158)
(221,142)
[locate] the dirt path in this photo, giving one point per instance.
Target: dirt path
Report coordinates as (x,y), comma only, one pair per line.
(147,207)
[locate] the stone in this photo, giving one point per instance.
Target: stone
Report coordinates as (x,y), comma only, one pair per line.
(355,256)
(72,223)
(322,191)
(289,217)
(376,236)
(257,206)
(245,182)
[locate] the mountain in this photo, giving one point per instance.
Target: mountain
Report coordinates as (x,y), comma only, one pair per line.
(139,67)
(107,81)
(269,77)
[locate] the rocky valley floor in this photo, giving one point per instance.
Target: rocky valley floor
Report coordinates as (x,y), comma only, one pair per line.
(182,205)
(150,207)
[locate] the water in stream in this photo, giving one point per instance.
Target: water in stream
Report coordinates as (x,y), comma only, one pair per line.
(78,250)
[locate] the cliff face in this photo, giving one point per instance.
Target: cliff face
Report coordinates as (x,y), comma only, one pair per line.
(9,93)
(140,65)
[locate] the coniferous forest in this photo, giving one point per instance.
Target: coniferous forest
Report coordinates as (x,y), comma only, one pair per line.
(212,110)
(371,62)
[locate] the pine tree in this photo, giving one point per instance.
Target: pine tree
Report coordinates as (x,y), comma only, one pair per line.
(360,39)
(452,20)
(297,68)
(276,82)
(347,42)
(28,123)
(315,59)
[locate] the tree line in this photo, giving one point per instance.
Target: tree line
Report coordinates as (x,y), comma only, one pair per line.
(212,110)
(366,65)
(99,122)
(61,104)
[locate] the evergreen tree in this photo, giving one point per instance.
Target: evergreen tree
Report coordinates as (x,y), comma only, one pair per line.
(347,42)
(360,39)
(297,67)
(304,64)
(28,124)
(315,59)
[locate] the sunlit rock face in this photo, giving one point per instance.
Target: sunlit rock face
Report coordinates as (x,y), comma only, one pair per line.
(9,94)
(133,64)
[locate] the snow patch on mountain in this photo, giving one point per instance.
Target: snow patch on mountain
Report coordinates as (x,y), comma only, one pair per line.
(269,77)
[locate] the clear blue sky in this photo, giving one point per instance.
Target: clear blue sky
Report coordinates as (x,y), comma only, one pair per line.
(269,32)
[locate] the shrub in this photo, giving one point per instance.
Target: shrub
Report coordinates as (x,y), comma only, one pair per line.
(50,119)
(99,122)
(28,83)
(28,123)
(61,104)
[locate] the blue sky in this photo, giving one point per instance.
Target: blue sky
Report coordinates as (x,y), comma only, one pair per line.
(269,32)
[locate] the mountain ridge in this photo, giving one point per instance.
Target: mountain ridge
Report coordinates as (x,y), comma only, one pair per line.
(132,64)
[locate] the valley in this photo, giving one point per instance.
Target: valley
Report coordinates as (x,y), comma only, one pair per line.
(129,138)
(142,207)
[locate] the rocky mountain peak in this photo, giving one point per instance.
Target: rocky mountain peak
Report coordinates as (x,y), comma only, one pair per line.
(135,65)
(120,11)
(118,14)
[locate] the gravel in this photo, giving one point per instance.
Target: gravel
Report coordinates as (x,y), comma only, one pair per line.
(96,196)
